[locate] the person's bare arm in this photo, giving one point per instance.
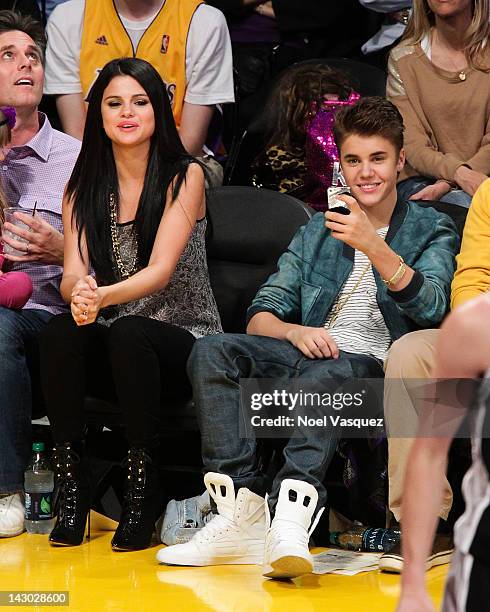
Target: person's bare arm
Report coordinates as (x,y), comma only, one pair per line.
(194,126)
(422,497)
(314,342)
(76,264)
(62,73)
(267,324)
(71,109)
(176,226)
(462,353)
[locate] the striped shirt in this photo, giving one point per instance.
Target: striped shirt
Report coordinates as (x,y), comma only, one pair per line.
(360,327)
(38,171)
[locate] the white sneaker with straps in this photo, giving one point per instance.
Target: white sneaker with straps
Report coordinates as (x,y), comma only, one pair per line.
(235,535)
(11,515)
(286,544)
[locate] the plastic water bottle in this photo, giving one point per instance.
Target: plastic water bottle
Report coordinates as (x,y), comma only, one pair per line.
(366,539)
(38,486)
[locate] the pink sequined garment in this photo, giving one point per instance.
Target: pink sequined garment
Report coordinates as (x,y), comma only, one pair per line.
(321,151)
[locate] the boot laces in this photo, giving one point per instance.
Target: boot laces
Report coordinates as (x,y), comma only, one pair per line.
(134,495)
(64,459)
(136,466)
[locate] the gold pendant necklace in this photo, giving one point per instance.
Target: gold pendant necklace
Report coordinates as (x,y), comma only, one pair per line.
(462,73)
(124,271)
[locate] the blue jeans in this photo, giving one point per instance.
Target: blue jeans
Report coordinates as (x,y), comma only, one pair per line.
(215,366)
(18,345)
(412,185)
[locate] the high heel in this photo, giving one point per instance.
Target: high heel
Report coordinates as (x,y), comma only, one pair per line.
(72,496)
(142,503)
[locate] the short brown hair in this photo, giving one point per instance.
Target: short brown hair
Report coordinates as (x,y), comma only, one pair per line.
(11,21)
(370,116)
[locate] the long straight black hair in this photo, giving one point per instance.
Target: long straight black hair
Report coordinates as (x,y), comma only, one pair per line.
(94,176)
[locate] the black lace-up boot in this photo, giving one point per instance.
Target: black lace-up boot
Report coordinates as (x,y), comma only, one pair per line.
(142,505)
(72,495)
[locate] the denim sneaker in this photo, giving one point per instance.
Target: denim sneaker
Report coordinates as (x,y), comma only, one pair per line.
(184,518)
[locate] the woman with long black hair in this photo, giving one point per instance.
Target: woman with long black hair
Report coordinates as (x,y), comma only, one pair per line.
(134,213)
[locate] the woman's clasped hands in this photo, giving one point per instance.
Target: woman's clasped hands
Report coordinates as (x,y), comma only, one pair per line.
(86,300)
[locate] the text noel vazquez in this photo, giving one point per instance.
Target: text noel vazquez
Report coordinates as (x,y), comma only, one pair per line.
(305,421)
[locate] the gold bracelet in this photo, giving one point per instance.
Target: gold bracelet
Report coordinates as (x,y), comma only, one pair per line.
(402,268)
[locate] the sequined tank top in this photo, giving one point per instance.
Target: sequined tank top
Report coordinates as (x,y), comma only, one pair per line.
(187,301)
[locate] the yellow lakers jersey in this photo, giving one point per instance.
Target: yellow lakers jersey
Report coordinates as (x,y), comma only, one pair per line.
(163,44)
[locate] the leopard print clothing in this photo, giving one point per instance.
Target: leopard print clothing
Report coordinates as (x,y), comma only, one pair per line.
(187,301)
(279,170)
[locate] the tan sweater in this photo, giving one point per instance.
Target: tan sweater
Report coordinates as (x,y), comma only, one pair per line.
(447,120)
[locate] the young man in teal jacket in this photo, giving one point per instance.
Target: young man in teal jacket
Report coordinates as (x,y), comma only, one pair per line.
(346,288)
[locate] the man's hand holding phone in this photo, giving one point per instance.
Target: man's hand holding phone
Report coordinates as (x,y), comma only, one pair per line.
(354,229)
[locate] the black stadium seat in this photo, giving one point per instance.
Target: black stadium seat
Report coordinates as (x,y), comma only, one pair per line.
(248,230)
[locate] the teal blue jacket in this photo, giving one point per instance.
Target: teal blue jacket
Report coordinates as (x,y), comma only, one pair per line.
(313,270)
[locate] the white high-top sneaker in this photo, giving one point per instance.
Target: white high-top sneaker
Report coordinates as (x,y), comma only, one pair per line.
(286,543)
(11,515)
(235,536)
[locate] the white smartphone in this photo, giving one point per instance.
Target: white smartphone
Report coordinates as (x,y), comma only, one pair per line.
(339,186)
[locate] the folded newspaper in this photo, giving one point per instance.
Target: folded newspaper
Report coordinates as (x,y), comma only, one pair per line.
(344,562)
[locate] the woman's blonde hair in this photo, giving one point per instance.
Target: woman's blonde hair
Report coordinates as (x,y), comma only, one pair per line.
(477,35)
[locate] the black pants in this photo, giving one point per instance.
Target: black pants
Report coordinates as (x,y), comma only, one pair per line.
(135,362)
(478,591)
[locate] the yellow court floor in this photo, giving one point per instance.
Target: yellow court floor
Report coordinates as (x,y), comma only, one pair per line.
(98,579)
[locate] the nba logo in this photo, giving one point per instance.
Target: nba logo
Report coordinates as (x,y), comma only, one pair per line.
(165,43)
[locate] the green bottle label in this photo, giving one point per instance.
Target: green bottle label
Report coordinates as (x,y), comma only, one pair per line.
(45,505)
(39,506)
